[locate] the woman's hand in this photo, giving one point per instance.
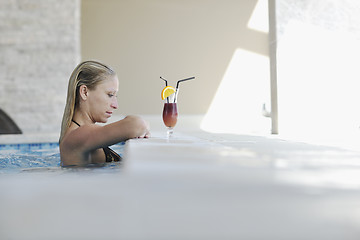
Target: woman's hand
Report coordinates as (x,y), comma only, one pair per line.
(146,134)
(140,126)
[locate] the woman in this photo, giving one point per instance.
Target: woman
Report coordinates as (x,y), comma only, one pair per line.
(91,98)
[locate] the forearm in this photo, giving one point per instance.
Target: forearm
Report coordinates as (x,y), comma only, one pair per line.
(100,136)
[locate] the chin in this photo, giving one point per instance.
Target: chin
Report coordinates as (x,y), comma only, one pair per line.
(103,120)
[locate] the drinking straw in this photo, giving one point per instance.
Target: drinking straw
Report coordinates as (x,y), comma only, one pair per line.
(167,99)
(177,84)
(165,81)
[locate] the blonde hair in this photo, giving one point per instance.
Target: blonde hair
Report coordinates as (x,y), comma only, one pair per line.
(88,73)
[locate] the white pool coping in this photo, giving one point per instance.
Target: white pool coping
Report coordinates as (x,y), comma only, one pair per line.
(196,185)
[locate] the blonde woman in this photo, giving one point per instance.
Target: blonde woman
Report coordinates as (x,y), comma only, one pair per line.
(92,98)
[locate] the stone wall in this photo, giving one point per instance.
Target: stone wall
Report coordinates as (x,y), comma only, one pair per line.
(39,47)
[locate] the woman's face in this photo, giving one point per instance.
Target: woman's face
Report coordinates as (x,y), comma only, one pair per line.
(103,99)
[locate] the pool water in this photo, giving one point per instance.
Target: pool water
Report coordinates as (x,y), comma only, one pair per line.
(24,157)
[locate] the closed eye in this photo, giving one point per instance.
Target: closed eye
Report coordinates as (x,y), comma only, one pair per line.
(111,95)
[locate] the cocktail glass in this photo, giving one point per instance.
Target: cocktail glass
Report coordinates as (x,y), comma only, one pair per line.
(170,113)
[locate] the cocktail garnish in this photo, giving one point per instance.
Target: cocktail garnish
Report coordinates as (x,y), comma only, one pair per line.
(167,91)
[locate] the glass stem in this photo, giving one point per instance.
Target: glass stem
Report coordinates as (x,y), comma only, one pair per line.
(169,132)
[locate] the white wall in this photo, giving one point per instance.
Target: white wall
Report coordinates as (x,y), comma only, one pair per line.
(146,39)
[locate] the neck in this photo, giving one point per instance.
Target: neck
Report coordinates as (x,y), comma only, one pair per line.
(82,118)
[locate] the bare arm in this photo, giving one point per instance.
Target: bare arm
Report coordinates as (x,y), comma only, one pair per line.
(91,137)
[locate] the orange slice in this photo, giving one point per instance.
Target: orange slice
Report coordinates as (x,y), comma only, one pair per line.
(167,91)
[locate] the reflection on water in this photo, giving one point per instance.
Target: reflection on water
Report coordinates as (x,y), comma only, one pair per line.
(40,157)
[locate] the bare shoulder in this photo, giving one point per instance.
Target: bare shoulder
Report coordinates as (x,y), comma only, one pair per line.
(77,138)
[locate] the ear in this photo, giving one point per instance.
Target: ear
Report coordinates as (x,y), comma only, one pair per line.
(84,91)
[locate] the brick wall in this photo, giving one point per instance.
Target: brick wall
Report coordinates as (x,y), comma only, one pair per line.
(39,47)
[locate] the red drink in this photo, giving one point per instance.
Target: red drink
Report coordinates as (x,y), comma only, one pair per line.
(170,114)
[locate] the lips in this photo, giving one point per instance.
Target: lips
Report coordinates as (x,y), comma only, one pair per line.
(109,113)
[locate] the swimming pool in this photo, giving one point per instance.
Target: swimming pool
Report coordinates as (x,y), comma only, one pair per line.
(31,156)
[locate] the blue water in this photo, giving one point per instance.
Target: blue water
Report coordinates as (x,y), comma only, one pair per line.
(22,157)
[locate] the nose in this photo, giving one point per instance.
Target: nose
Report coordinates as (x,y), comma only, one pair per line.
(114,104)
